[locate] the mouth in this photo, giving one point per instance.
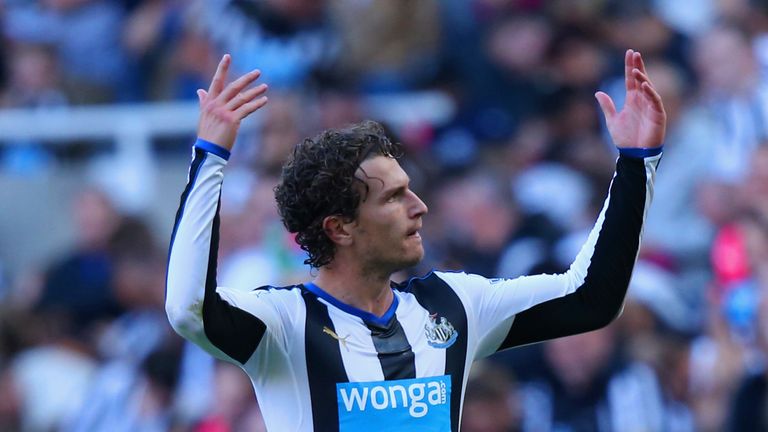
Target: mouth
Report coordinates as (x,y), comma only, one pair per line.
(414,233)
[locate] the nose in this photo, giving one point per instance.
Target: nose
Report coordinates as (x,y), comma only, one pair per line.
(418,208)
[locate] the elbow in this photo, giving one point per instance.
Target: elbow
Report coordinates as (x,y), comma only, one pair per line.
(182,321)
(617,313)
(604,318)
(602,300)
(175,318)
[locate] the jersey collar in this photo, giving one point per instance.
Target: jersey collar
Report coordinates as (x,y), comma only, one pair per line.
(366,316)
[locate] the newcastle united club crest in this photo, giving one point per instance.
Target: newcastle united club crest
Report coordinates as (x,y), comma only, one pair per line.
(440,333)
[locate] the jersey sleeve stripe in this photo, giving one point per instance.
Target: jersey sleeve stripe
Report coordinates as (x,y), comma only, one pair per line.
(194,170)
(234,331)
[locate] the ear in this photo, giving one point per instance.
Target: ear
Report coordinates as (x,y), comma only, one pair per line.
(337,229)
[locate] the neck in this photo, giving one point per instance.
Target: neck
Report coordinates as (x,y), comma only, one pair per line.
(356,287)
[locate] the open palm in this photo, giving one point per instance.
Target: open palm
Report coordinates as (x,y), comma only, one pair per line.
(642,122)
(222,108)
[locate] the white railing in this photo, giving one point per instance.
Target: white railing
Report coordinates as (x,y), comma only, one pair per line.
(135,124)
(98,122)
(132,127)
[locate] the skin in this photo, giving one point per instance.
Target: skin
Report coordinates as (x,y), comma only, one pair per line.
(223,108)
(384,237)
(642,122)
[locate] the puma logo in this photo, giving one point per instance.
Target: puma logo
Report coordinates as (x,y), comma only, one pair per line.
(333,334)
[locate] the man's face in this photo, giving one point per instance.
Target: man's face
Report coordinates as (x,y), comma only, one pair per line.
(386,231)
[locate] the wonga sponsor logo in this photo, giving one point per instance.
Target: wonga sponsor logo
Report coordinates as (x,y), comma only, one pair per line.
(421,403)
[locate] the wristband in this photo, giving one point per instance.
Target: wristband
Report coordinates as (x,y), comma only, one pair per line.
(212,148)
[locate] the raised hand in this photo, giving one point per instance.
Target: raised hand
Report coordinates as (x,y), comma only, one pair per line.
(222,108)
(642,122)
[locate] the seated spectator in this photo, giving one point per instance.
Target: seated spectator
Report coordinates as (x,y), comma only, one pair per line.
(588,386)
(491,403)
(80,284)
(748,406)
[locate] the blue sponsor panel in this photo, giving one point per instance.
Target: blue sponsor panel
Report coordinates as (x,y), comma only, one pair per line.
(422,404)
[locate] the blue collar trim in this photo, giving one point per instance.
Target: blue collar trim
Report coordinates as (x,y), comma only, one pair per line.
(364,315)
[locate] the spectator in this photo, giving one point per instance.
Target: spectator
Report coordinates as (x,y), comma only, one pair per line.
(92,60)
(234,408)
(394,49)
(479,245)
(126,398)
(737,107)
(491,403)
(588,386)
(287,39)
(747,411)
(80,284)
(34,78)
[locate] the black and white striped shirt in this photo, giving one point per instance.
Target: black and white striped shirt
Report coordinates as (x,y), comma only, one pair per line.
(319,364)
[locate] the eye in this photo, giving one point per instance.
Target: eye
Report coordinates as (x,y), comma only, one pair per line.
(394,196)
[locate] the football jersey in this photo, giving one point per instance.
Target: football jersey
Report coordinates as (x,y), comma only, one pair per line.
(318,364)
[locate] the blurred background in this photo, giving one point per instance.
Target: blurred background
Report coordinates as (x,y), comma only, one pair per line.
(493,101)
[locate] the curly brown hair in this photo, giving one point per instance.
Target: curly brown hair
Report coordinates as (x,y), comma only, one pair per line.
(318,180)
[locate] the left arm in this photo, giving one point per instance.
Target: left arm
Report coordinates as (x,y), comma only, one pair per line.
(604,265)
(591,293)
(638,131)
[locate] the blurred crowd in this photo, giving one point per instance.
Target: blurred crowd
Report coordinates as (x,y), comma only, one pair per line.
(514,175)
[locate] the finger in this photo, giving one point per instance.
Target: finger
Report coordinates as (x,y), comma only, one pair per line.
(242,98)
(202,95)
(239,84)
(654,96)
(647,88)
(220,76)
(630,82)
(606,104)
(247,109)
(641,77)
(639,63)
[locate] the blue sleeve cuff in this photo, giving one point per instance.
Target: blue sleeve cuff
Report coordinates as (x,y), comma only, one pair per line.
(640,153)
(212,148)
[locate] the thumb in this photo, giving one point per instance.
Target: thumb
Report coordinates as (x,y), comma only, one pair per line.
(201,95)
(606,104)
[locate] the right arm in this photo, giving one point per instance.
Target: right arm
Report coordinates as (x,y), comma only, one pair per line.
(195,308)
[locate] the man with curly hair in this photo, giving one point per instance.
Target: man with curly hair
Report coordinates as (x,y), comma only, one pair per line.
(352,350)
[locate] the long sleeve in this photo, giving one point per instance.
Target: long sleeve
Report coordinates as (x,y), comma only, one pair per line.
(603,268)
(513,312)
(195,308)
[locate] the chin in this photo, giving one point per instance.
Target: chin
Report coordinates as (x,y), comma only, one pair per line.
(397,259)
(411,260)
(405,261)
